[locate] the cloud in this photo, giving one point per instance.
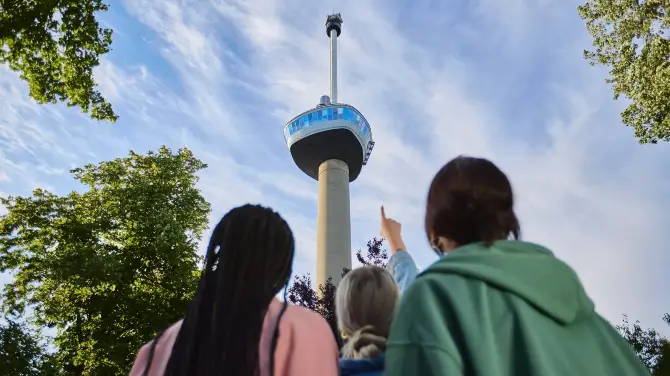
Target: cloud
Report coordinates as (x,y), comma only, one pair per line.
(503,82)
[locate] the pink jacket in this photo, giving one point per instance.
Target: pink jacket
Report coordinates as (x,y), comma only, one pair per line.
(305,346)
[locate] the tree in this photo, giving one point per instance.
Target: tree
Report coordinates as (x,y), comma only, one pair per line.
(21,353)
(375,255)
(631,39)
(301,292)
(54,45)
(652,349)
(663,365)
(111,266)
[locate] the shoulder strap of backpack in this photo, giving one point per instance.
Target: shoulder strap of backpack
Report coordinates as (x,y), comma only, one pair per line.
(152,350)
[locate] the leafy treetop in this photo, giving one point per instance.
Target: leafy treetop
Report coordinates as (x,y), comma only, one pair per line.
(54,45)
(631,38)
(110,266)
(652,348)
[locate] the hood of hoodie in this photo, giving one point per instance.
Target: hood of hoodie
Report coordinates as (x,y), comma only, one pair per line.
(362,365)
(526,270)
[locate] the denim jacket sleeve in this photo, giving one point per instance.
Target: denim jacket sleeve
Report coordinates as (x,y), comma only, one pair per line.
(403,269)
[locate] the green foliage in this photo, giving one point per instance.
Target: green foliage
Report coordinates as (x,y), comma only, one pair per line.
(663,365)
(631,38)
(652,349)
(21,353)
(110,266)
(54,45)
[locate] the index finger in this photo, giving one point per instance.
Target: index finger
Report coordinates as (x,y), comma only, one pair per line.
(383,213)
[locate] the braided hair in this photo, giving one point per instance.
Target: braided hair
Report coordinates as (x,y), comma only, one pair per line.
(248,262)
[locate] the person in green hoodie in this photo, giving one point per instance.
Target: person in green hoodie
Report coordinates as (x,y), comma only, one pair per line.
(492,306)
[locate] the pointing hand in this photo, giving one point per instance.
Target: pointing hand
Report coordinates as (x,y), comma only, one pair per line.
(391,231)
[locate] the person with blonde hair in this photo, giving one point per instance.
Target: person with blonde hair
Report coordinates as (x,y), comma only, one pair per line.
(365,302)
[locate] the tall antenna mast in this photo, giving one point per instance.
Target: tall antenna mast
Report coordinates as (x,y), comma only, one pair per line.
(333,30)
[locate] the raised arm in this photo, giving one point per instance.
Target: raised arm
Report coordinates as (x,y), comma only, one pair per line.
(403,269)
(401,265)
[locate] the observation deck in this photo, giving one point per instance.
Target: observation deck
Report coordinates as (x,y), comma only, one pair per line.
(329,131)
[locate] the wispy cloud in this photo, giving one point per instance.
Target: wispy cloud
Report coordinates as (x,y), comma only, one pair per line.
(505,82)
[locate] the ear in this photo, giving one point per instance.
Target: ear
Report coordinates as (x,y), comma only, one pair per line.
(447,245)
(434,241)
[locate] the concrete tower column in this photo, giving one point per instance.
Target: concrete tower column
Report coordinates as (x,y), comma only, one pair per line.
(333,236)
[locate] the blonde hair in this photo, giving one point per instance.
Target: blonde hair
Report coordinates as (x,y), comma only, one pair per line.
(365,302)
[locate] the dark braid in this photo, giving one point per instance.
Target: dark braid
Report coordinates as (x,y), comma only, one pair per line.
(248,262)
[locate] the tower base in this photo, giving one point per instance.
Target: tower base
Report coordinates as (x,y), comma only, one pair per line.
(333,236)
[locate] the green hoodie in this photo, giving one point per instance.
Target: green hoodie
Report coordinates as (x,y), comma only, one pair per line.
(512,309)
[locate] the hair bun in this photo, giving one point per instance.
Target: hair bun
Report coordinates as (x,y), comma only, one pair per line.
(366,343)
(471,200)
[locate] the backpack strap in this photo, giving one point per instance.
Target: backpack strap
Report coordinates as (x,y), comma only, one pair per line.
(152,350)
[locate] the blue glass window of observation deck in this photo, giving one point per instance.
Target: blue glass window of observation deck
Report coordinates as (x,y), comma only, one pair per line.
(329,114)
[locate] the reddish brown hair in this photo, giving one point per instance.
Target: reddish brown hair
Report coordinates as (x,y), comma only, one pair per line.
(470,200)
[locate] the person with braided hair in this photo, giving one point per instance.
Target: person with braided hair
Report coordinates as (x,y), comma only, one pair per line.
(235,325)
(492,304)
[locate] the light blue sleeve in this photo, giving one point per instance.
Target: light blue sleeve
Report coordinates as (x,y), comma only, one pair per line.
(403,269)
